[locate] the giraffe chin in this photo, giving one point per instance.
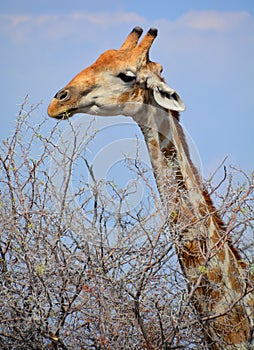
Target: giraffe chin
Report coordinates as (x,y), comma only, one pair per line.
(111,110)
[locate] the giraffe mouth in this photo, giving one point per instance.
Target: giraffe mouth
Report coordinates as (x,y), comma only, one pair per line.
(66,114)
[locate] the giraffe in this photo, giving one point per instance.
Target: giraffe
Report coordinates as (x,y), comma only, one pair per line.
(126,82)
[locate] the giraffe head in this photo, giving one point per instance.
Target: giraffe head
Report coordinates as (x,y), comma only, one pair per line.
(118,82)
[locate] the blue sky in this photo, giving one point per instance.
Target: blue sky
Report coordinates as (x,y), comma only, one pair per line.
(206,49)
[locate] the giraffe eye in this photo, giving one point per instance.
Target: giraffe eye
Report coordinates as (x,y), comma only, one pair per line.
(127,77)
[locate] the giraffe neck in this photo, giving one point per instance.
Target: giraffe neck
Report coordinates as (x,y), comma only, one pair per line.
(169,154)
(203,244)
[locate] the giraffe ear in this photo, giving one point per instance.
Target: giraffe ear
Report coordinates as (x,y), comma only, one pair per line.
(167,97)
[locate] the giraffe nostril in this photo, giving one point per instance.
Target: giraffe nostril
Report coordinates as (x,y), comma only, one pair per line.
(62,95)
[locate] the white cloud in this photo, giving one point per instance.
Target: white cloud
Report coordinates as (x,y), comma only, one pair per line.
(213,20)
(207,36)
(20,28)
(13,21)
(106,18)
